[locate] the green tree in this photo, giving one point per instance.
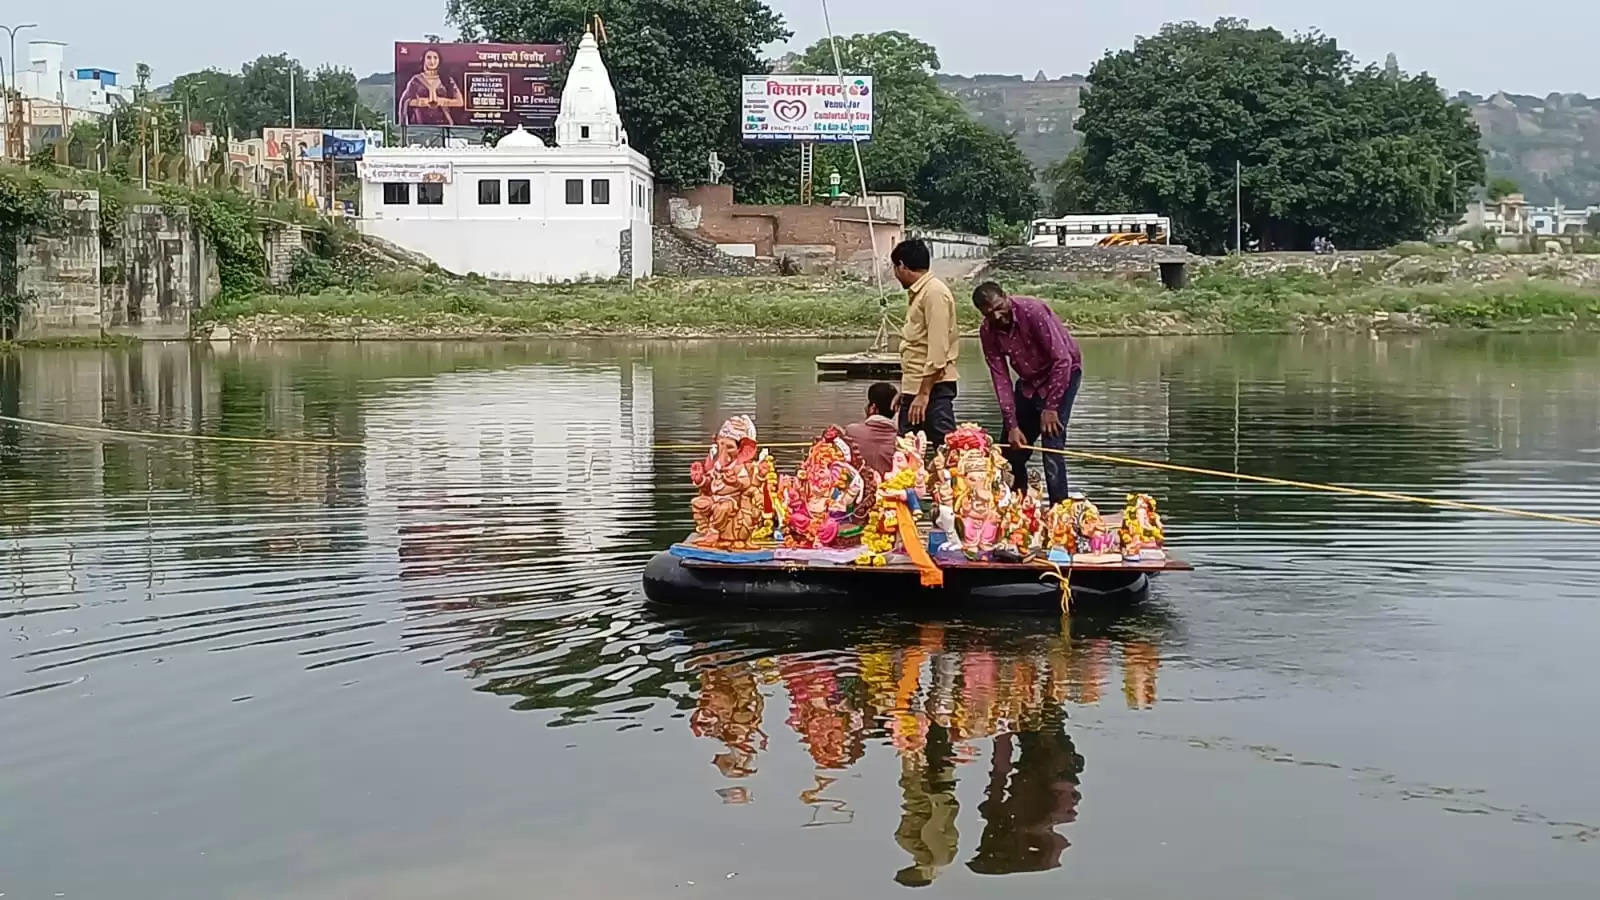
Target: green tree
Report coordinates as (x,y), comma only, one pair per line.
(911,114)
(1499,188)
(26,210)
(1070,191)
(676,67)
(955,172)
(258,97)
(1363,156)
(975,177)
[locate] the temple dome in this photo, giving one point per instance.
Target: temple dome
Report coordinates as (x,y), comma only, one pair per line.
(588,102)
(520,139)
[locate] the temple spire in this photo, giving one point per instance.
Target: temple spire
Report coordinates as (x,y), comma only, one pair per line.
(588,102)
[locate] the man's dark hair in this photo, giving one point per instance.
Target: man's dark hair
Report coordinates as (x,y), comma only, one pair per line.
(987,293)
(881,397)
(913,254)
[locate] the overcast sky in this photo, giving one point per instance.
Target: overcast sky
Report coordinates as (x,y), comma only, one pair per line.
(1473,45)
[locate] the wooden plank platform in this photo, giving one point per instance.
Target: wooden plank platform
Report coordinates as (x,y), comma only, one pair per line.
(859,365)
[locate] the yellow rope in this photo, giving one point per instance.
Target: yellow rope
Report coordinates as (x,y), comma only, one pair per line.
(1063,579)
(293,442)
(700,447)
(1327,488)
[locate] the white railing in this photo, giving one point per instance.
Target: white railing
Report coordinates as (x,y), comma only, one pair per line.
(954,244)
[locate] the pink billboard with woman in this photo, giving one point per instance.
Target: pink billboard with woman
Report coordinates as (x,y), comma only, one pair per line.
(501,85)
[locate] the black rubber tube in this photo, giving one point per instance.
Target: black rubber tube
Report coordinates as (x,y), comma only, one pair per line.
(670,583)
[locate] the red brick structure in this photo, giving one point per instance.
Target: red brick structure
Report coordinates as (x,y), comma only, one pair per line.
(818,234)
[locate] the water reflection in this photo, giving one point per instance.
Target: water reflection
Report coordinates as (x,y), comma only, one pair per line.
(989,702)
(201,628)
(729,710)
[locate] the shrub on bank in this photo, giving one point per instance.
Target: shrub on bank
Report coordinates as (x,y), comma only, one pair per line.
(398,301)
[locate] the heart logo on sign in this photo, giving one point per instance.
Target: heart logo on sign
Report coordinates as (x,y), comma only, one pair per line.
(789,110)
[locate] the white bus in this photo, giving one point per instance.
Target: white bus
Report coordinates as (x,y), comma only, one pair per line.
(1113,230)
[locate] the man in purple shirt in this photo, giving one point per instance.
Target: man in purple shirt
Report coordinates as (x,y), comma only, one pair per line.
(1022,334)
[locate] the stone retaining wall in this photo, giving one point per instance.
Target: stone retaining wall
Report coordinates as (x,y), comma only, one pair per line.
(1426,267)
(58,274)
(1037,264)
(145,281)
(282,242)
(680,253)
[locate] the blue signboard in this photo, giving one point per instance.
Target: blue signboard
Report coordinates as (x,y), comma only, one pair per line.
(349,144)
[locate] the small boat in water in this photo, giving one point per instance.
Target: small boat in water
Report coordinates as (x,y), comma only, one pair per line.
(691,580)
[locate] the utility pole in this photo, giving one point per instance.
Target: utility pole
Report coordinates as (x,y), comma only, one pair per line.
(14,104)
(1454,215)
(292,158)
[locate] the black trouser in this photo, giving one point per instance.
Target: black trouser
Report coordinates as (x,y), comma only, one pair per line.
(940,419)
(1029,411)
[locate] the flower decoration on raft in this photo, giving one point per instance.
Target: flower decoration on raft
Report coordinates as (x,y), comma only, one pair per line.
(899,494)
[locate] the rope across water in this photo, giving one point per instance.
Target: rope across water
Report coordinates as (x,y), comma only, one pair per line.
(701,447)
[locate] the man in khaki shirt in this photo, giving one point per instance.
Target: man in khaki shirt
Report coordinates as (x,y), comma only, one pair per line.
(929,345)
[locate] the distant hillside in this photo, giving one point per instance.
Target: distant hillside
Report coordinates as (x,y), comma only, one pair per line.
(1550,146)
(377,92)
(1039,112)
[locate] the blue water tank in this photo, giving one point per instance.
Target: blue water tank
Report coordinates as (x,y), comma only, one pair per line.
(106,77)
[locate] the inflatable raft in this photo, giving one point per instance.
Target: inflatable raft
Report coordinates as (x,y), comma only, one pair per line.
(837,534)
(689,581)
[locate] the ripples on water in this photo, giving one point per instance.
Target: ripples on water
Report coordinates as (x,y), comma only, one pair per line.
(219,659)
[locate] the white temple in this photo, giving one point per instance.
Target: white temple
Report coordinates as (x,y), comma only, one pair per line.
(522,210)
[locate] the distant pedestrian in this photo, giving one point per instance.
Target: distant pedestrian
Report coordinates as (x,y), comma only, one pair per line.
(1023,334)
(929,345)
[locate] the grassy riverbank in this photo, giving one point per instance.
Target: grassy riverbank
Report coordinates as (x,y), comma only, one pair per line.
(1223,298)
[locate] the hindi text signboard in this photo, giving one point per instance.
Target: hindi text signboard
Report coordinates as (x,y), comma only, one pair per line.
(477,85)
(806,108)
(407,172)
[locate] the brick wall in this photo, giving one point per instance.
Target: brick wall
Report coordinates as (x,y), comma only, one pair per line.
(711,212)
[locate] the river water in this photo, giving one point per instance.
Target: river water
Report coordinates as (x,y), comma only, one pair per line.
(422,666)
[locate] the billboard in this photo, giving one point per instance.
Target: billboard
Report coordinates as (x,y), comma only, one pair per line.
(806,108)
(313,143)
(282,141)
(502,85)
(430,172)
(349,143)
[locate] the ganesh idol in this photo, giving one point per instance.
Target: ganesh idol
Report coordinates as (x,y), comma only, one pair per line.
(731,504)
(828,497)
(979,476)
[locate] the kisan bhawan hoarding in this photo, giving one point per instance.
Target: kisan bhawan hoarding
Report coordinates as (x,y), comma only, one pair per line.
(806,108)
(477,85)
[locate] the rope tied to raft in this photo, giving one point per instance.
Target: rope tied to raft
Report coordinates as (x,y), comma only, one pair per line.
(701,448)
(1325,488)
(1063,578)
